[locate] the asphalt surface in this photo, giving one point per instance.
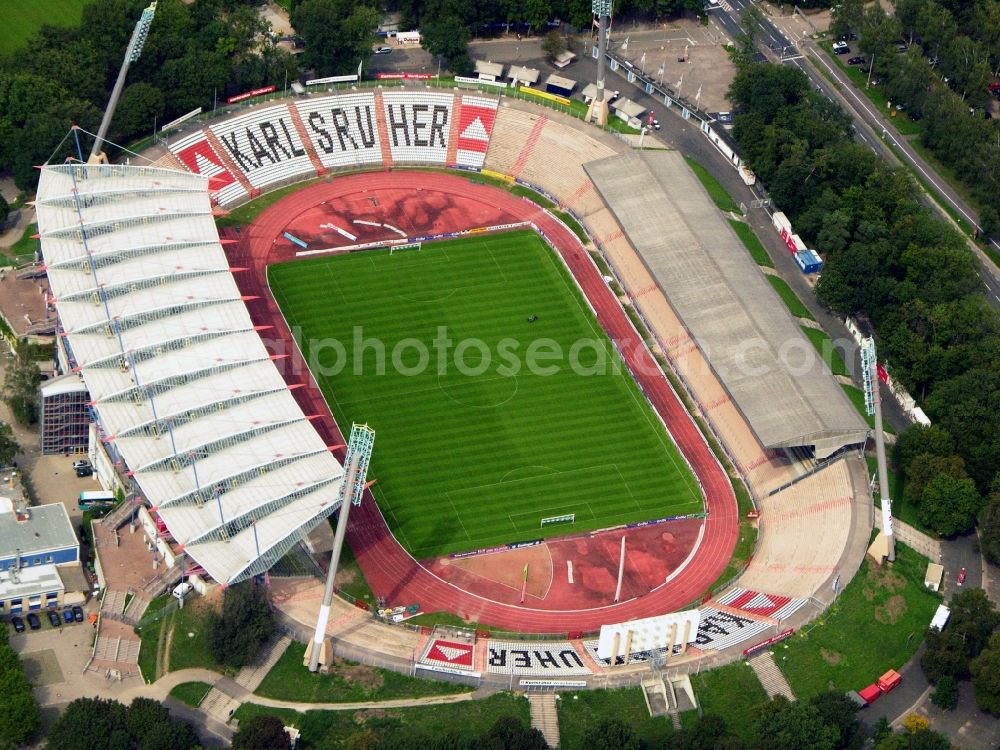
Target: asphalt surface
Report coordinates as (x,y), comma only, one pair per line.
(871,127)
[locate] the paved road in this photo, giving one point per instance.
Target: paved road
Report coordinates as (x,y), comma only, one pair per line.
(872,128)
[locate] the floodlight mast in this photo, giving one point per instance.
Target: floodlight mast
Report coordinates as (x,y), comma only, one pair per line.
(139,34)
(599,106)
(873,406)
(359,452)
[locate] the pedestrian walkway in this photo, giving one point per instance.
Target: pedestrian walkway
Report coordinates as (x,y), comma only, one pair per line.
(770,676)
(544,717)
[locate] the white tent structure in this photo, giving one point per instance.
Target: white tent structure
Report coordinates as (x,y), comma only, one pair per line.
(185,395)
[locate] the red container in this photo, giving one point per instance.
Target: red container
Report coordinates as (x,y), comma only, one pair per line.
(870,694)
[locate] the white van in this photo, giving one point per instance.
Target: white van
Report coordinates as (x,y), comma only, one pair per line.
(181,590)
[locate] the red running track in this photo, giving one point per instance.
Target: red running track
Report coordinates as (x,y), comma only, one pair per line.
(390,570)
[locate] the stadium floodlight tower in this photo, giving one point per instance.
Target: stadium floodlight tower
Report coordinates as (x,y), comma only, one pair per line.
(139,34)
(599,105)
(884,545)
(359,453)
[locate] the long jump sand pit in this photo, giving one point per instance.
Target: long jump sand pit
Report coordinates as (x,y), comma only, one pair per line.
(652,553)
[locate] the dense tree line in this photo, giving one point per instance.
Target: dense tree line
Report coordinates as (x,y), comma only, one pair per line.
(20,387)
(98,724)
(892,262)
(19,715)
(64,76)
(953,54)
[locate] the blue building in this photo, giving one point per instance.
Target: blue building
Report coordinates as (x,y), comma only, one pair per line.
(35,542)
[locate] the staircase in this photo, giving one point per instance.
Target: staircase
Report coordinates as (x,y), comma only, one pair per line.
(230,164)
(456,124)
(136,608)
(770,676)
(219,706)
(300,128)
(529,146)
(383,131)
(252,675)
(544,717)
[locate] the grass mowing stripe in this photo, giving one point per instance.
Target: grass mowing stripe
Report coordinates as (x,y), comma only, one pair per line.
(454,449)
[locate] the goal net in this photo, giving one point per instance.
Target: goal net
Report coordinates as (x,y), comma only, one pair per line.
(406,246)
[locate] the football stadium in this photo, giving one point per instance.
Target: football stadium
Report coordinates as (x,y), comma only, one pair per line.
(571,364)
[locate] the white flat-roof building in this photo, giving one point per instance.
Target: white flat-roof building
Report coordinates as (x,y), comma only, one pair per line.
(187,399)
(34,542)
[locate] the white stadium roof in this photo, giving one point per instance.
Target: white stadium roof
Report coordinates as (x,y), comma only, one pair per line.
(183,388)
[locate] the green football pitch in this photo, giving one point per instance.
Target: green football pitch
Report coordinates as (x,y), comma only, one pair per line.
(479,439)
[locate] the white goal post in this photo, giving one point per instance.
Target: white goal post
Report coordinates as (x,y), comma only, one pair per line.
(565,518)
(405,246)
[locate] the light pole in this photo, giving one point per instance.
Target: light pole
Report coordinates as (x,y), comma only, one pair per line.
(139,34)
(599,106)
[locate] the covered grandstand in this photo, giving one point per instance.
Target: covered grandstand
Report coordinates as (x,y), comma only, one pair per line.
(770,371)
(186,398)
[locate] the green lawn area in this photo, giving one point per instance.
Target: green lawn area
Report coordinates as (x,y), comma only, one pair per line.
(23,250)
(398,727)
(732,692)
(857,397)
(579,712)
(22,19)
(350,579)
(149,634)
(191,693)
(718,193)
(189,647)
(876,624)
(791,300)
(833,357)
(749,238)
(481,436)
(349,682)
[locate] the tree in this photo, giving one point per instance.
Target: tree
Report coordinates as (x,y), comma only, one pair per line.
(98,724)
(449,39)
(19,715)
(944,655)
(262,732)
(611,734)
(949,505)
(989,524)
(783,725)
(509,733)
(975,617)
(338,34)
(246,624)
(846,17)
(926,467)
(917,440)
(945,693)
(838,711)
(4,210)
(20,389)
(986,677)
(8,445)
(553,44)
(139,109)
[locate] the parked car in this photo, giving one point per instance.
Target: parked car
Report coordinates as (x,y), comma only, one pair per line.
(383,50)
(82,464)
(33,622)
(84,471)
(840,48)
(856,61)
(78,613)
(54,618)
(656,124)
(961,576)
(18,624)
(68,615)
